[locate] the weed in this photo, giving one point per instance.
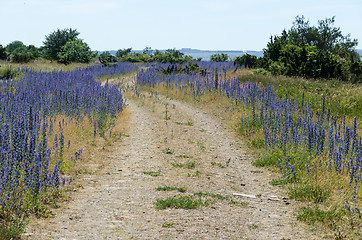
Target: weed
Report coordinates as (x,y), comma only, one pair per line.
(316,194)
(167,112)
(168,150)
(253,226)
(167,188)
(188,165)
(315,214)
(258,143)
(12,230)
(236,203)
(183,156)
(217,164)
(270,159)
(168,225)
(153,174)
(189,123)
(197,174)
(277,182)
(185,202)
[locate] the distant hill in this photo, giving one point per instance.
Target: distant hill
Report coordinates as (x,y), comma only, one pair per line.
(205,54)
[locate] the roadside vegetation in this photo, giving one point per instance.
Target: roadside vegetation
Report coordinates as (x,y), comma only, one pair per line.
(47,119)
(310,134)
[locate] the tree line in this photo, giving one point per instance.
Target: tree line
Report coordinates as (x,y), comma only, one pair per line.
(320,51)
(64,46)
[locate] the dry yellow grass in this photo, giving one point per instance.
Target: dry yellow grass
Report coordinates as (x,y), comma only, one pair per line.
(44,65)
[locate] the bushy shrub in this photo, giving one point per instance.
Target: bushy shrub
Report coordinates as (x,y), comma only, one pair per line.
(219,57)
(247,60)
(314,52)
(21,56)
(107,59)
(75,51)
(3,54)
(56,40)
(7,73)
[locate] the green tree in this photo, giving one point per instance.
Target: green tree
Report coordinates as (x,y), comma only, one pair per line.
(3,54)
(325,36)
(219,57)
(123,52)
(34,51)
(171,56)
(107,59)
(75,51)
(313,51)
(147,51)
(246,60)
(18,52)
(11,47)
(56,40)
(21,55)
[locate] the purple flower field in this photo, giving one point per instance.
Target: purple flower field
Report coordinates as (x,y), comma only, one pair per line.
(299,139)
(29,105)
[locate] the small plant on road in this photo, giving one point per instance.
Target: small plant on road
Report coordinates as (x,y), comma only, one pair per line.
(185,202)
(167,188)
(153,174)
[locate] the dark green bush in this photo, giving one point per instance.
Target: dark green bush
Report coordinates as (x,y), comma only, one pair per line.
(21,56)
(313,52)
(3,54)
(247,60)
(219,57)
(75,51)
(107,59)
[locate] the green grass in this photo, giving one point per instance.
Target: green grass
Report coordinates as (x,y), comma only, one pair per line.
(189,123)
(184,202)
(277,182)
(183,156)
(268,159)
(236,203)
(167,188)
(44,65)
(12,230)
(153,174)
(217,164)
(188,165)
(168,150)
(196,174)
(348,95)
(168,225)
(311,193)
(315,214)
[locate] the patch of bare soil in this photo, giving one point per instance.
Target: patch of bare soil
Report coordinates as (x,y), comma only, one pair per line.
(186,148)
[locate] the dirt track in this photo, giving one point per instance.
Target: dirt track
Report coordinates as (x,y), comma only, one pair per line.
(117,202)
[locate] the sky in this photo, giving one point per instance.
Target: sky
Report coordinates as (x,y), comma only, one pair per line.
(161,24)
